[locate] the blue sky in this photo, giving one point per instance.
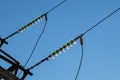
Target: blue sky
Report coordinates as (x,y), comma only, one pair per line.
(101,45)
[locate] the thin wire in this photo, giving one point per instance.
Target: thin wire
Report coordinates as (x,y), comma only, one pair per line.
(35,20)
(80,64)
(56,6)
(38,63)
(102,20)
(97,23)
(81,59)
(28,25)
(80,36)
(35,45)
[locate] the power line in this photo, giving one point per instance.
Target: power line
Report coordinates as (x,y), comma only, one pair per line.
(56,6)
(33,50)
(100,21)
(28,25)
(81,41)
(36,20)
(36,43)
(81,58)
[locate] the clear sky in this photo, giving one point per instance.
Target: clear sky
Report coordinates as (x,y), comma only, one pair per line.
(101,45)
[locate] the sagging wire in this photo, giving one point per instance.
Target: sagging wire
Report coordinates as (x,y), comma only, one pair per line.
(33,50)
(81,58)
(37,40)
(81,41)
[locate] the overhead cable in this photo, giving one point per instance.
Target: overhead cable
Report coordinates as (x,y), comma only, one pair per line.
(33,50)
(81,41)
(36,43)
(28,25)
(36,20)
(100,22)
(81,58)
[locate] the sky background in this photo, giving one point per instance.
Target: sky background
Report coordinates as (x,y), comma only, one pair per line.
(101,45)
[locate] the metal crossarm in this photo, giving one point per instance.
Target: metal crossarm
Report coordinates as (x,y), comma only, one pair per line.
(15,65)
(6,75)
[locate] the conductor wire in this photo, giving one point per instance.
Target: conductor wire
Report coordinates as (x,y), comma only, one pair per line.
(81,58)
(36,43)
(81,41)
(97,24)
(101,21)
(56,6)
(33,21)
(80,64)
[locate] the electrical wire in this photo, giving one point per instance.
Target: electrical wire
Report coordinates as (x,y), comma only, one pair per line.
(36,44)
(56,6)
(33,50)
(97,24)
(80,64)
(28,25)
(101,21)
(81,58)
(81,41)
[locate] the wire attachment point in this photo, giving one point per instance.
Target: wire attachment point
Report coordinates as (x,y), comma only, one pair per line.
(81,39)
(46,18)
(2,41)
